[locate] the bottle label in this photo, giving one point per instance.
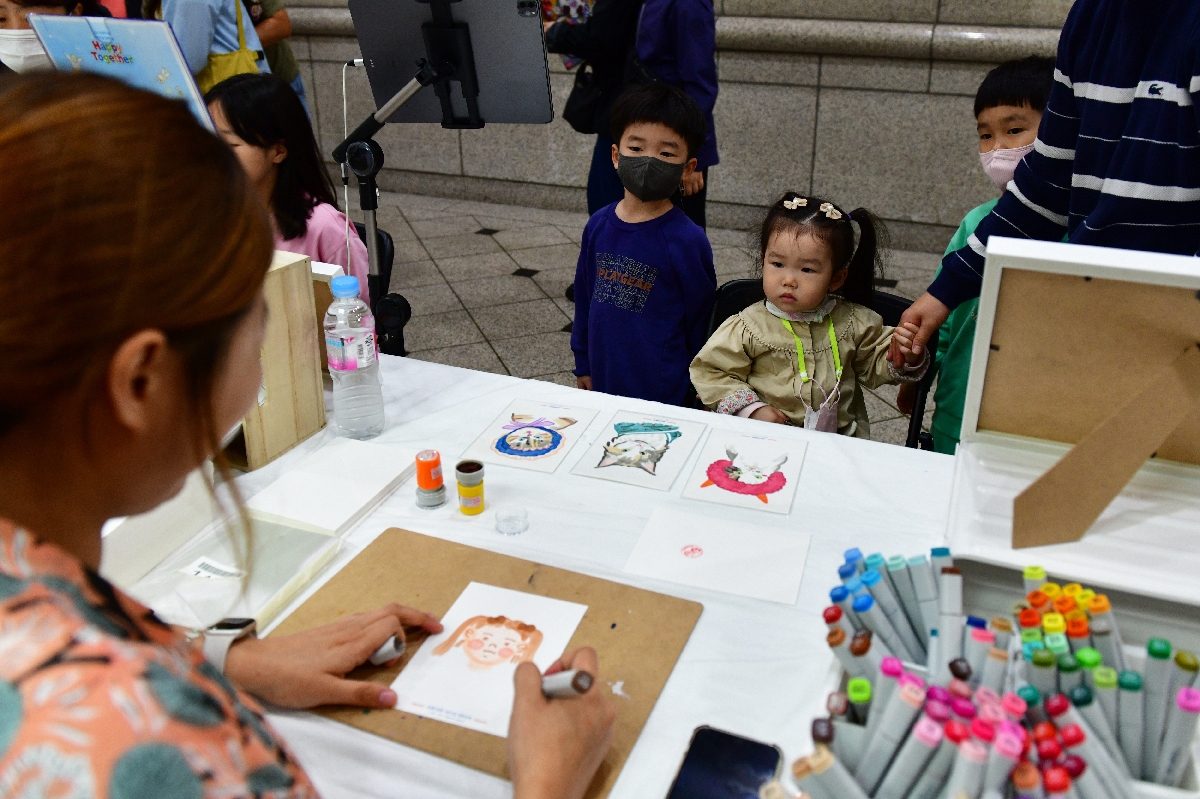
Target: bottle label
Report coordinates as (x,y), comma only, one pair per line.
(351,349)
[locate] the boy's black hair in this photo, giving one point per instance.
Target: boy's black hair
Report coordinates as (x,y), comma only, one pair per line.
(834,226)
(263,110)
(1021,82)
(666,105)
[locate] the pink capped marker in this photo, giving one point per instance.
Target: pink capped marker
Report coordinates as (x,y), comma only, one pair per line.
(986,696)
(969,765)
(938,711)
(992,714)
(962,708)
(1014,706)
(913,680)
(960,688)
(938,694)
(983,730)
(891,669)
(1182,718)
(1014,729)
(1002,759)
(911,759)
(975,650)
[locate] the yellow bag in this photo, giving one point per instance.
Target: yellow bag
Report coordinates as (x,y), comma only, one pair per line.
(225,65)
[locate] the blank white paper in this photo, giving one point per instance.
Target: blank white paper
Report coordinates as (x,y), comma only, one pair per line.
(721,555)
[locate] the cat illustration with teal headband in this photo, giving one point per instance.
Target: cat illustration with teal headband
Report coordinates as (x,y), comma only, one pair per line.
(638,445)
(528,437)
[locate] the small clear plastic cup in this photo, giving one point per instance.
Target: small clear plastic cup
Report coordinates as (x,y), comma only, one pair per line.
(511,520)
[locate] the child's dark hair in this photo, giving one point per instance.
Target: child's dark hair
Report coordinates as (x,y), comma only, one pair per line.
(666,105)
(795,213)
(1022,82)
(263,110)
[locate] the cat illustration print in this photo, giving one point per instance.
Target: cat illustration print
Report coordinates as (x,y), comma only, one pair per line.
(645,451)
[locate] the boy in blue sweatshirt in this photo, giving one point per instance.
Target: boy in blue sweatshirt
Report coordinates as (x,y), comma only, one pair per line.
(645,284)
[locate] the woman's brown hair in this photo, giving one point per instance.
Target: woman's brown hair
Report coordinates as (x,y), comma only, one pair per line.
(118,213)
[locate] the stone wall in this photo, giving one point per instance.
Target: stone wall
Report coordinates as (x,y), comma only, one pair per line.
(867,102)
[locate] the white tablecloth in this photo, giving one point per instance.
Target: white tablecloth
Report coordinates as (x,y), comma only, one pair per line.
(751,667)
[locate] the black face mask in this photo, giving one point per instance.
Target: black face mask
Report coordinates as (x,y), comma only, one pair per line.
(649,178)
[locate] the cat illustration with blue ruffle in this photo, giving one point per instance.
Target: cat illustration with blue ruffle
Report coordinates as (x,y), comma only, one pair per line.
(638,445)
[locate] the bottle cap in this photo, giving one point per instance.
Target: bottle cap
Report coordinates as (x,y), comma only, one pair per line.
(1035,573)
(939,552)
(863,603)
(1088,658)
(894,564)
(1044,659)
(429,464)
(937,693)
(839,593)
(853,555)
(1051,590)
(1072,735)
(1057,705)
(344,286)
(983,635)
(1188,699)
(858,690)
(860,644)
(870,577)
(938,711)
(846,571)
(1064,605)
(960,668)
(1056,780)
(891,667)
(956,731)
(1074,765)
(1044,731)
(822,731)
(1030,619)
(1054,623)
(1104,677)
(1067,663)
(1001,624)
(1057,643)
(1158,648)
(1081,696)
(983,730)
(1098,604)
(832,614)
(1072,589)
(963,708)
(1186,661)
(1031,695)
(1014,705)
(470,473)
(1026,777)
(1130,681)
(976,622)
(1032,634)
(836,637)
(1077,627)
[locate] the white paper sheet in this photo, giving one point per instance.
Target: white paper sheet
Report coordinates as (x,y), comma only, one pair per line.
(713,553)
(754,472)
(640,450)
(531,435)
(464,675)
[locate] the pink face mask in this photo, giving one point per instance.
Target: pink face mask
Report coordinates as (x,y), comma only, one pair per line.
(1001,165)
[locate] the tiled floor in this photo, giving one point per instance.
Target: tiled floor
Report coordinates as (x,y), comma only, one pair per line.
(486,283)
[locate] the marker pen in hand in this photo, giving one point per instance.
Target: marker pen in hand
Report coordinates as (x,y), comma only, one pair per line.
(566,684)
(390,649)
(1156,681)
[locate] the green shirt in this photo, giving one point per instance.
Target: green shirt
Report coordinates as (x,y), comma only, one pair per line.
(279,55)
(955,342)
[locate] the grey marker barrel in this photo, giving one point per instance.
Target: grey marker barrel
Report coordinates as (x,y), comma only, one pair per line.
(950,621)
(886,598)
(1104,689)
(833,776)
(1043,672)
(1002,758)
(390,649)
(888,680)
(1177,740)
(925,585)
(1130,704)
(1104,643)
(1084,701)
(994,669)
(910,761)
(876,620)
(934,653)
(802,773)
(837,641)
(941,559)
(967,774)
(869,650)
(1110,770)
(1099,609)
(1156,681)
(930,783)
(849,742)
(898,716)
(902,581)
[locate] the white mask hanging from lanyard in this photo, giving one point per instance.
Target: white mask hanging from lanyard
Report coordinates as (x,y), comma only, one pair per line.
(825,417)
(21,51)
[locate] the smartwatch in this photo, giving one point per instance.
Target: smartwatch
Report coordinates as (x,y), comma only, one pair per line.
(219,637)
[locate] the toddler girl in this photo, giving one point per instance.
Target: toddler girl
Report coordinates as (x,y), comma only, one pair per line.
(799,356)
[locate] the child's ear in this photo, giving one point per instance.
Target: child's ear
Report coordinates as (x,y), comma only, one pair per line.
(616,152)
(839,277)
(690,167)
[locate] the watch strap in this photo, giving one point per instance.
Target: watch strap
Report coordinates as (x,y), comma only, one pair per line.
(218,639)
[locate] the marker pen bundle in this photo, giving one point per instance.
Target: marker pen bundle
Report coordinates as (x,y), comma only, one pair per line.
(897,567)
(933,778)
(885,598)
(898,717)
(875,620)
(910,759)
(1115,781)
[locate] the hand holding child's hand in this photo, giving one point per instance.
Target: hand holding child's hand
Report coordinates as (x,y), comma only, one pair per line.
(584,382)
(768,414)
(905,336)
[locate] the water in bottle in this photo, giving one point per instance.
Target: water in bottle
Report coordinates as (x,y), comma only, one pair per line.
(353,362)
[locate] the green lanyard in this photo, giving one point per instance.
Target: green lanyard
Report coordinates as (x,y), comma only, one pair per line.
(837,356)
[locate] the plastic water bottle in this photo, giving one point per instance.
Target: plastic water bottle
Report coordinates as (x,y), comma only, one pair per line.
(353,362)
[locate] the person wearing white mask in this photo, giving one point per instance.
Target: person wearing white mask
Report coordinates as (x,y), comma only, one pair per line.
(20,49)
(1008,110)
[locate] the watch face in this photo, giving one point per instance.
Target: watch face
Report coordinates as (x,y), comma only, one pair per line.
(233,624)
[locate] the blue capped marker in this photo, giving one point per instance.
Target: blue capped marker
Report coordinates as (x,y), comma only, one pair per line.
(975,621)
(854,557)
(840,595)
(846,571)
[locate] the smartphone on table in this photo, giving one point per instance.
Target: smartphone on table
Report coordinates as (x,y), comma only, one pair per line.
(721,765)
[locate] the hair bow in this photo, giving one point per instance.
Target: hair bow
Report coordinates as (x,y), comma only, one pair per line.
(830,211)
(794,203)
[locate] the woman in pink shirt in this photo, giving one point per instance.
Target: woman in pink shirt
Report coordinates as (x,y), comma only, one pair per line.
(262,120)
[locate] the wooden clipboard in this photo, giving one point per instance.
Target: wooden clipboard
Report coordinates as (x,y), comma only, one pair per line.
(639,635)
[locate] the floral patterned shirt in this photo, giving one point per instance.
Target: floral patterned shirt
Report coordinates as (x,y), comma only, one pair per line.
(98,698)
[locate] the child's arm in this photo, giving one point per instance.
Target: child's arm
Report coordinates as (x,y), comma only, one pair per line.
(584,282)
(872,342)
(721,371)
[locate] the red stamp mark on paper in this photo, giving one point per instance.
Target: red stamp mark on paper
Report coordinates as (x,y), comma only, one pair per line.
(692,551)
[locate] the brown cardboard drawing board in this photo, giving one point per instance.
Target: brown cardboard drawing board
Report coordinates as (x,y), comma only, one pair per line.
(1096,348)
(639,636)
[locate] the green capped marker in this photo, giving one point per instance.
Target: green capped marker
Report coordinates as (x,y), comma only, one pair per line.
(1044,674)
(1070,673)
(1156,682)
(1089,660)
(1104,688)
(1131,710)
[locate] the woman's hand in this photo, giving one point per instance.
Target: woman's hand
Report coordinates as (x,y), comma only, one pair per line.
(556,745)
(768,414)
(927,313)
(905,337)
(309,668)
(693,183)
